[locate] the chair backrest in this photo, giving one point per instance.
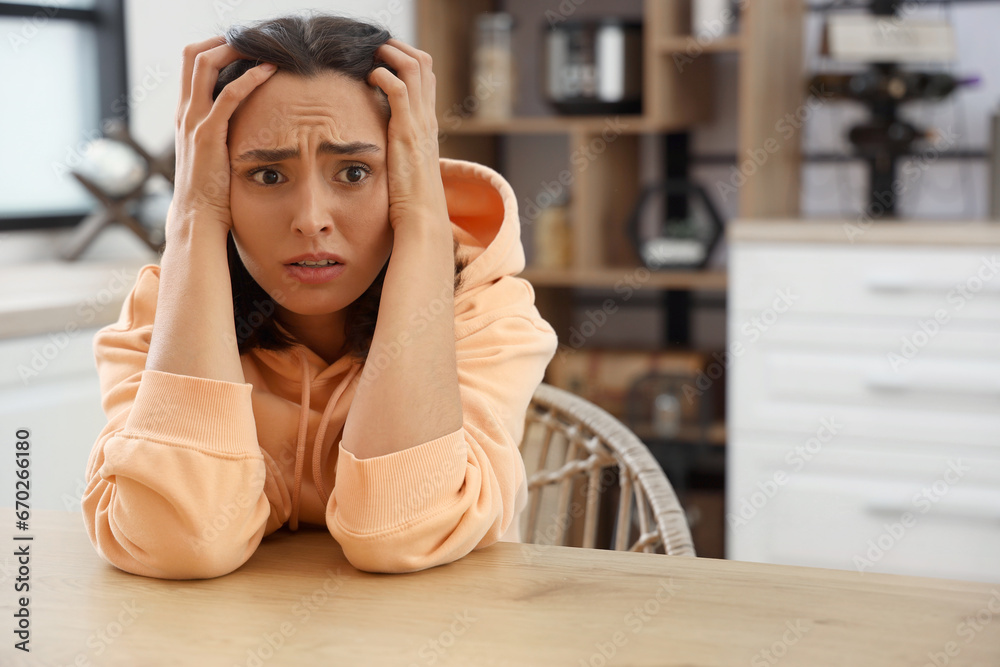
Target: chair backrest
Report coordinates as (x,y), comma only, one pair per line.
(585,455)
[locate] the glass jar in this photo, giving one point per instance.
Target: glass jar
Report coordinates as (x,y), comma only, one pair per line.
(553,237)
(492,89)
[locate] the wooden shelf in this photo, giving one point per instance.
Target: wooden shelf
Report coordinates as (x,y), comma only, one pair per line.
(716,435)
(628,124)
(611,277)
(690,45)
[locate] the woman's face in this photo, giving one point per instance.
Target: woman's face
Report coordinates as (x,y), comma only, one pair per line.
(308,159)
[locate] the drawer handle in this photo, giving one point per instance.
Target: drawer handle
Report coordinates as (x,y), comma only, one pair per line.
(962,510)
(898,283)
(888,382)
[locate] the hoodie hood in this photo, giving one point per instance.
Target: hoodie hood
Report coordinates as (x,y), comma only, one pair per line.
(482,209)
(483,212)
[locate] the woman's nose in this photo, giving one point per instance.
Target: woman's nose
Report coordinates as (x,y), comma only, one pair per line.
(313,214)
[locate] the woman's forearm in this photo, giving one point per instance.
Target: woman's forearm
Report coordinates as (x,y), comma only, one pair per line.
(408,393)
(194,329)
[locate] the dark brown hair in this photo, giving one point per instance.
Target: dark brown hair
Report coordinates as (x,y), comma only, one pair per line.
(306,46)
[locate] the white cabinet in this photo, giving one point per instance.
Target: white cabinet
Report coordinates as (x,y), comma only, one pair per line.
(49,313)
(863,406)
(49,385)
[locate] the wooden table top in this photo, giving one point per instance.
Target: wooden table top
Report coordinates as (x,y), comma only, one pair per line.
(297,601)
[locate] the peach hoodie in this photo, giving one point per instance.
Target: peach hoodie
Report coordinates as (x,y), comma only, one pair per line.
(190,474)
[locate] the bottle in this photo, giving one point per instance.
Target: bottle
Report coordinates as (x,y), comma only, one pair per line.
(553,237)
(493,75)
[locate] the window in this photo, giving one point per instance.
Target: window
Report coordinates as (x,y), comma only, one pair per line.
(63,73)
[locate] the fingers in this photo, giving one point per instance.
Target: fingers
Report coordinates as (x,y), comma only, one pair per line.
(415,81)
(395,90)
(191,51)
(237,91)
(207,65)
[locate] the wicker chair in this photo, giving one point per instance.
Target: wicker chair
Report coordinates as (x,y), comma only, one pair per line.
(583,453)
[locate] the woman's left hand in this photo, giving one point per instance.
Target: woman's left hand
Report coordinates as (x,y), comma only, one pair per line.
(416,192)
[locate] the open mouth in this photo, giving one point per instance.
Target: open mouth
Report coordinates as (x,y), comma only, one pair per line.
(321,263)
(314,272)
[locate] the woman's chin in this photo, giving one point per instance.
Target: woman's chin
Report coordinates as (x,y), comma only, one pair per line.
(311,308)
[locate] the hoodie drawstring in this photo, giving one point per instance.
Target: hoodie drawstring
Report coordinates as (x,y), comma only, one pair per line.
(300,447)
(324,421)
(293,521)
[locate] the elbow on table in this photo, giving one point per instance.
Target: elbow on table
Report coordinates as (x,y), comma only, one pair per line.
(184,559)
(153,549)
(418,548)
(183,563)
(378,557)
(447,527)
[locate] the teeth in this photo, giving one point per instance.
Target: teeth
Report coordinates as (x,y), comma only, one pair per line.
(322,262)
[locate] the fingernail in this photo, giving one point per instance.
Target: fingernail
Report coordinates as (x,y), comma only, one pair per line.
(268,67)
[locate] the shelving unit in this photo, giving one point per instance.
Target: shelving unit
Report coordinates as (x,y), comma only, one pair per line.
(678,72)
(678,80)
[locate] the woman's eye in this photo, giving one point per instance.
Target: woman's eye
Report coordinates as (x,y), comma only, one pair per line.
(355,173)
(266,176)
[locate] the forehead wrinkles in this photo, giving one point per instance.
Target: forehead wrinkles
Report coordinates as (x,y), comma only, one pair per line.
(302,117)
(299,110)
(285,130)
(308,129)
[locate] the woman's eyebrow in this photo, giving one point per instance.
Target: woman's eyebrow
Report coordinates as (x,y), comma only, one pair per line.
(324,148)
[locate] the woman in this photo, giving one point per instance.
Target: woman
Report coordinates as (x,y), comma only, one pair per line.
(334,334)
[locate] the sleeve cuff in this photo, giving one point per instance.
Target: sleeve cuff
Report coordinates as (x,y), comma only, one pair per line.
(384,492)
(210,415)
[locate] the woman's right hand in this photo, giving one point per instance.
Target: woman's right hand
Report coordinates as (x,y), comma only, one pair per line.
(201,176)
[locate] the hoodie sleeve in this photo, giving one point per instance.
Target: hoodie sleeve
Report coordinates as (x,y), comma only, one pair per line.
(435,502)
(175,479)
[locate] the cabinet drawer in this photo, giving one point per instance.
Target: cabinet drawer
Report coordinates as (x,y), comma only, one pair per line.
(867,281)
(864,510)
(909,337)
(946,393)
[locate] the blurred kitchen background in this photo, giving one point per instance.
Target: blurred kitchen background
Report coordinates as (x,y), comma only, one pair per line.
(766,232)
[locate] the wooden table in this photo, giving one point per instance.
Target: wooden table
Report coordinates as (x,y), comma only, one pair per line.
(298,602)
